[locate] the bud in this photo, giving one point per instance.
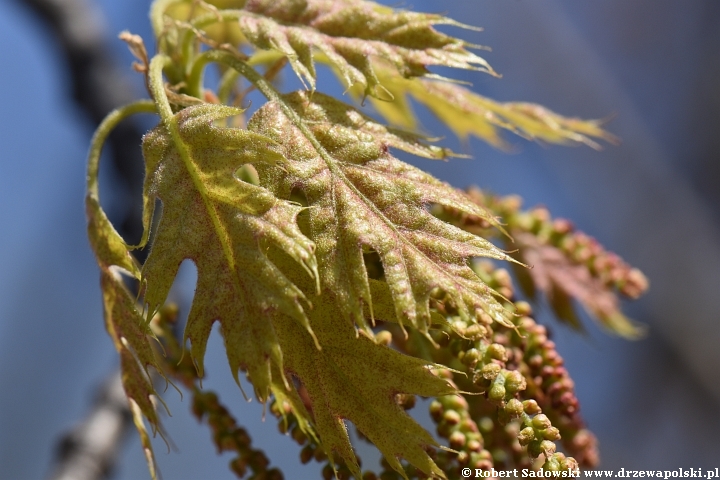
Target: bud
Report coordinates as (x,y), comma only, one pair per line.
(534,449)
(298,435)
(497,352)
(457,440)
(541,422)
(524,309)
(526,436)
(451,417)
(274,474)
(406,400)
(471,357)
(551,464)
(258,461)
(474,445)
(490,371)
(531,407)
(475,332)
(319,455)
(514,408)
(306,454)
(239,467)
(547,447)
(383,337)
(436,410)
(327,472)
(486,425)
(467,425)
(551,433)
(515,381)
(503,417)
(497,392)
(454,402)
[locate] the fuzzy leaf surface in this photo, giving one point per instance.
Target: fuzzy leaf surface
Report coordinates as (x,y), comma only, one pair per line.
(361,198)
(353,378)
(349,34)
(223,225)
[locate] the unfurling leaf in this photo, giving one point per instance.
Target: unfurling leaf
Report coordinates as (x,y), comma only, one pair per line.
(305,229)
(467,113)
(361,197)
(562,279)
(223,225)
(130,333)
(349,34)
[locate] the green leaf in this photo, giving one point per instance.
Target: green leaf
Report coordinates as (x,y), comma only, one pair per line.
(362,198)
(353,378)
(349,34)
(130,334)
(224,226)
(467,113)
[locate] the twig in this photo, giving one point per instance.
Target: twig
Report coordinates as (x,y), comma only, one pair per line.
(90,450)
(98,87)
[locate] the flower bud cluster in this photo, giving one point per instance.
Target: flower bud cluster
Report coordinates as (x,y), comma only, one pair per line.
(454,422)
(551,386)
(228,436)
(509,365)
(582,249)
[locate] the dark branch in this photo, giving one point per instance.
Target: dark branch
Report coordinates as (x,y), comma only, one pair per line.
(98,87)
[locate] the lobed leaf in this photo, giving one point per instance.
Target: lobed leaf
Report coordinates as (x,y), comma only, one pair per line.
(467,113)
(361,198)
(130,334)
(223,225)
(353,378)
(349,34)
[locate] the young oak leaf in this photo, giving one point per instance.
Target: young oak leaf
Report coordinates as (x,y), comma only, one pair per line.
(348,34)
(129,331)
(566,264)
(360,196)
(562,279)
(467,113)
(355,379)
(223,225)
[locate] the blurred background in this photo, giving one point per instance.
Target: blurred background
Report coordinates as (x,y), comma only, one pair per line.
(651,65)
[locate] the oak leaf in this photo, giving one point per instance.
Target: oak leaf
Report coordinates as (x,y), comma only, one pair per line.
(361,197)
(130,334)
(223,225)
(468,113)
(353,378)
(349,34)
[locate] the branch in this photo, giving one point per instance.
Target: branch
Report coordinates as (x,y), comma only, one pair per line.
(90,450)
(99,87)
